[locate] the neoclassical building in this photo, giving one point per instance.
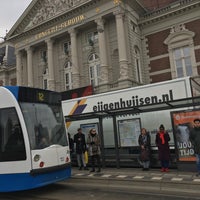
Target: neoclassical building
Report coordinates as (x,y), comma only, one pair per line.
(111,44)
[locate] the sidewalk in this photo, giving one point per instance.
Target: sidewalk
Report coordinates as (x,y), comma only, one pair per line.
(134,179)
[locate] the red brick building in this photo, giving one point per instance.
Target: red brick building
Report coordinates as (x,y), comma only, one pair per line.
(172,38)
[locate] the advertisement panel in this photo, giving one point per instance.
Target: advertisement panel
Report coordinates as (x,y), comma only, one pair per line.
(129,131)
(131,97)
(183,123)
(87,127)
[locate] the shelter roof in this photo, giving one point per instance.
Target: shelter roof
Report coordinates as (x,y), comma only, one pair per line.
(190,103)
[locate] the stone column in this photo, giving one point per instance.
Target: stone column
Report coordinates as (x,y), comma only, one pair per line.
(122,48)
(74,57)
(51,79)
(18,68)
(102,51)
(30,66)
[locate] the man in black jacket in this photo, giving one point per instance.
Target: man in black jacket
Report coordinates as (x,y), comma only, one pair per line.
(79,140)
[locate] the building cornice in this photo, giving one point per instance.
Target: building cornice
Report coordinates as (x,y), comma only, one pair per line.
(171,10)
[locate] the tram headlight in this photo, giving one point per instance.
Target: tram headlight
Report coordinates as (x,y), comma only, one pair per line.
(42,164)
(36,158)
(67,159)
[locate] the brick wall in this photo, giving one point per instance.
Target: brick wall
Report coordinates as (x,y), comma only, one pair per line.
(156,44)
(159,64)
(194,27)
(161,77)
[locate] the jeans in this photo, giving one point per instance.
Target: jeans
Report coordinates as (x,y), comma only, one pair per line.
(165,163)
(96,158)
(81,160)
(146,164)
(198,162)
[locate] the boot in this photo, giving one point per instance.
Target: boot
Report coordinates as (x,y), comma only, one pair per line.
(99,170)
(85,168)
(92,170)
(162,169)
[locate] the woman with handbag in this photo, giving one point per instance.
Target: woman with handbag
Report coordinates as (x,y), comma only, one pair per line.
(144,141)
(93,142)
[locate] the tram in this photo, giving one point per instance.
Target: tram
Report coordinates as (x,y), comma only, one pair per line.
(34,148)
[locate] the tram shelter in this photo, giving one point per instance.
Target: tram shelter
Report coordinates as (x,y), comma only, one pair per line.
(192,103)
(174,103)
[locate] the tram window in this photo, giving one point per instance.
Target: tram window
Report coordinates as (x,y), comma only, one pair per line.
(45,125)
(12,147)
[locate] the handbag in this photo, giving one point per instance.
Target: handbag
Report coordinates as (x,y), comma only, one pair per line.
(86,157)
(144,156)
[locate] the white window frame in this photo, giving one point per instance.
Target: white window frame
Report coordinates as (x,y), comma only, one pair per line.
(92,37)
(138,65)
(45,79)
(181,60)
(68,72)
(94,69)
(178,38)
(45,84)
(67,47)
(44,56)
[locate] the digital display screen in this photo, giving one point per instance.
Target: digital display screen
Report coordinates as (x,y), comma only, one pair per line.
(38,96)
(35,95)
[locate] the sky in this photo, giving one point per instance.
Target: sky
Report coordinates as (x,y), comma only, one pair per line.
(10,12)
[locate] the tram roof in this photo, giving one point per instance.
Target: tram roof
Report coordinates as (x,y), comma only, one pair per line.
(175,104)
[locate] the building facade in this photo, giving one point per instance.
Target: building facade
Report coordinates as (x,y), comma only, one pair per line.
(110,44)
(7,64)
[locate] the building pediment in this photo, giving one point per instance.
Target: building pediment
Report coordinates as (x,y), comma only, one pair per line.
(178,33)
(41,11)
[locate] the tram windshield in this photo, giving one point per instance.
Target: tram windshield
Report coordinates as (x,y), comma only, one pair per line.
(45,125)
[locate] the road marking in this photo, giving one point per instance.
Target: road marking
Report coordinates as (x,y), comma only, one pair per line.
(121,176)
(196,180)
(79,174)
(177,179)
(156,178)
(138,177)
(91,175)
(106,175)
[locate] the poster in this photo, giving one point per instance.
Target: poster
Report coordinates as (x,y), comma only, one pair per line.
(129,131)
(86,128)
(183,123)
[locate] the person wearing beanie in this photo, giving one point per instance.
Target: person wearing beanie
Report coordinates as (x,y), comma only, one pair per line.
(195,140)
(162,142)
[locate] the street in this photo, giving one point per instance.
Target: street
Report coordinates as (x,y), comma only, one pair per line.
(72,189)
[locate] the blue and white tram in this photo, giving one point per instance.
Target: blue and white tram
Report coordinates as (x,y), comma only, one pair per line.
(34,148)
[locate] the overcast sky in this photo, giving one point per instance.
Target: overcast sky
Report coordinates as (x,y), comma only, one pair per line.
(10,12)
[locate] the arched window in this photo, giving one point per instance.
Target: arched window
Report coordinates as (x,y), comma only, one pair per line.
(94,69)
(181,52)
(68,75)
